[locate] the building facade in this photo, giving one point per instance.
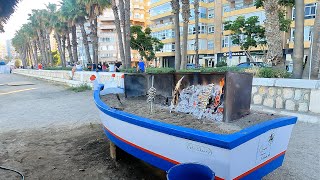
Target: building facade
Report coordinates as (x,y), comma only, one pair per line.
(107,33)
(214,42)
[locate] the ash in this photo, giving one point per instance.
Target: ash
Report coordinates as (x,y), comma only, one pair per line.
(202,101)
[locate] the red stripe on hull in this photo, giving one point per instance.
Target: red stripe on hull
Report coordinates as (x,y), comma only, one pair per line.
(148,151)
(259,166)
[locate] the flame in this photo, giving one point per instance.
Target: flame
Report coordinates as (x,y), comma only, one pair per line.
(221,83)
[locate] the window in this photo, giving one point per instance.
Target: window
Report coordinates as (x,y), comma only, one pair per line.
(160,9)
(203,12)
(306,36)
(226,8)
(225,41)
(210,29)
(210,45)
(309,11)
(211,13)
(202,29)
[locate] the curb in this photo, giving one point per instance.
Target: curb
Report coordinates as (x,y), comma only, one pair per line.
(302,117)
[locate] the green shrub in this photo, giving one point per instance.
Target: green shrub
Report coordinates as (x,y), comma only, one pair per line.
(129,70)
(81,88)
(223,69)
(221,64)
(189,70)
(273,73)
(58,68)
(159,70)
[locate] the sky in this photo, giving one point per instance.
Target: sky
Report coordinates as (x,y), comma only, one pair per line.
(20,16)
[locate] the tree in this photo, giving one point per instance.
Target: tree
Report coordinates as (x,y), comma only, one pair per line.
(118,29)
(247,33)
(177,53)
(94,8)
(196,43)
(127,33)
(185,17)
(298,41)
(144,42)
(6,9)
(314,55)
(274,12)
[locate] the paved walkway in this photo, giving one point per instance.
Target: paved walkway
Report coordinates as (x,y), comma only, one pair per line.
(42,105)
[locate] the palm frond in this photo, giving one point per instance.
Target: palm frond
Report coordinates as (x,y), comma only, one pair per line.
(7,7)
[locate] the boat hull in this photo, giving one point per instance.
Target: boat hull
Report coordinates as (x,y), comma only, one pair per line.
(248,154)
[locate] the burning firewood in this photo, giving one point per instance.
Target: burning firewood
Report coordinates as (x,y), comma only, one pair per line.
(176,94)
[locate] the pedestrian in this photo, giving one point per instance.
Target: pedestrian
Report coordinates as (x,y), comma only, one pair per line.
(73,70)
(111,67)
(99,67)
(104,67)
(78,67)
(39,66)
(118,65)
(141,66)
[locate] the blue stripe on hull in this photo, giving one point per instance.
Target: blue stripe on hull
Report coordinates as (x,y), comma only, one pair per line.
(266,169)
(149,158)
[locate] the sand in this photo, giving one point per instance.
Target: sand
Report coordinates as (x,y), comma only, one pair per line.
(140,107)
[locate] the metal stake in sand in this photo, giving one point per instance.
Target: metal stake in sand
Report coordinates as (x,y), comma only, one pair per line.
(151,95)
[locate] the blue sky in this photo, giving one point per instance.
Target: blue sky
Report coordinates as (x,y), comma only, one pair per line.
(20,16)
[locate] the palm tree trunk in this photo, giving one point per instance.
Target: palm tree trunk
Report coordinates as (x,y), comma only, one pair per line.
(49,47)
(64,64)
(24,56)
(185,17)
(58,39)
(298,40)
(118,28)
(196,43)
(95,40)
(35,52)
(176,10)
(69,47)
(74,43)
(123,34)
(43,53)
(85,41)
(314,55)
(127,31)
(273,33)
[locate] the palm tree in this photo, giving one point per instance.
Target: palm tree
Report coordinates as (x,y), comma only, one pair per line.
(298,40)
(35,19)
(176,11)
(94,8)
(73,13)
(6,9)
(314,55)
(196,43)
(272,31)
(118,28)
(127,33)
(185,17)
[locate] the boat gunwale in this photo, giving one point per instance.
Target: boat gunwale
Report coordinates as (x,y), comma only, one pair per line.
(225,141)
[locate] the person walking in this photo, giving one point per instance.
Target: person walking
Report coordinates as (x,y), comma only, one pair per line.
(141,66)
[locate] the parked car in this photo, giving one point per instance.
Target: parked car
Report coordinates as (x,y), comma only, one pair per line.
(252,64)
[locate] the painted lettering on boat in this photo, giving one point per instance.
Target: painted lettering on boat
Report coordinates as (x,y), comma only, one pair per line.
(198,148)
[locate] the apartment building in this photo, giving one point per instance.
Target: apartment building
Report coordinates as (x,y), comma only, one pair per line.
(108,41)
(215,43)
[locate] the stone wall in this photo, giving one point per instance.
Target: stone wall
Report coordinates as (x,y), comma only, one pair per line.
(288,94)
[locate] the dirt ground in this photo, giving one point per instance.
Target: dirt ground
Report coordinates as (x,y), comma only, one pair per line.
(139,106)
(81,153)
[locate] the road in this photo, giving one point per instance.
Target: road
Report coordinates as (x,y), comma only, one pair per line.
(44,124)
